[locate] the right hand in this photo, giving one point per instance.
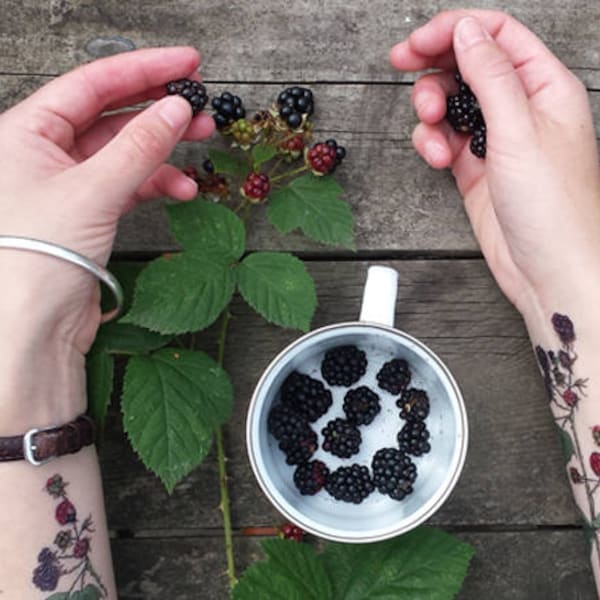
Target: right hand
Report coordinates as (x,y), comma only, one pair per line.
(534,202)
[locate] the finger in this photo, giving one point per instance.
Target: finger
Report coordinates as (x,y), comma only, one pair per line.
(106,128)
(432,46)
(154,93)
(132,156)
(72,100)
(439,145)
(429,95)
(489,71)
(166,181)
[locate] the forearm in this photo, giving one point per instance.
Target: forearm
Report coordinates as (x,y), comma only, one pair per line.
(54,534)
(566,338)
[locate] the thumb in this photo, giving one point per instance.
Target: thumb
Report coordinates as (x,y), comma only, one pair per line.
(140,148)
(491,76)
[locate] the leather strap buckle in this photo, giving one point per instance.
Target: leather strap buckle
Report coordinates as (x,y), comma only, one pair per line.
(29,447)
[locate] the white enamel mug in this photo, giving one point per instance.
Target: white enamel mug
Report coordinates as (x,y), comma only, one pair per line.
(378,517)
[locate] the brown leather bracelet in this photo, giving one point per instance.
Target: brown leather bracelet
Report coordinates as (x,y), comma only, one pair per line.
(38,446)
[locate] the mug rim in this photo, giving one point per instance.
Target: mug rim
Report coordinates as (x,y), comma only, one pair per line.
(387,533)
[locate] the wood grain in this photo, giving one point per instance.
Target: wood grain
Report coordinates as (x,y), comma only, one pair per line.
(513,475)
(532,565)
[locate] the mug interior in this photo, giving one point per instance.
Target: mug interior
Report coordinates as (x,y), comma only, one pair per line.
(377,517)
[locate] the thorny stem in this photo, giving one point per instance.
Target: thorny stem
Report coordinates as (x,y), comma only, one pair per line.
(222,459)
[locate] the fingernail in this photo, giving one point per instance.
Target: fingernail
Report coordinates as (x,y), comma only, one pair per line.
(469,32)
(176,112)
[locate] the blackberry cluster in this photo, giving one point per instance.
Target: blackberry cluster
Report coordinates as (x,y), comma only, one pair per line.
(293,103)
(310,477)
(324,157)
(47,573)
(307,396)
(412,438)
(228,109)
(361,405)
(341,438)
(343,365)
(393,473)
(413,404)
(394,376)
(296,438)
(350,484)
(464,114)
(193,91)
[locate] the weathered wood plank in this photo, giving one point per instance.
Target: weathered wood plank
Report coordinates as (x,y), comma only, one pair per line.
(399,203)
(542,565)
(245,41)
(513,474)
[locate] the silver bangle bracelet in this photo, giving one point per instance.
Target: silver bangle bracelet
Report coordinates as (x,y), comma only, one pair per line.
(33,245)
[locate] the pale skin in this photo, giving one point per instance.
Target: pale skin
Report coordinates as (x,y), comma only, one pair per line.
(534,204)
(69,176)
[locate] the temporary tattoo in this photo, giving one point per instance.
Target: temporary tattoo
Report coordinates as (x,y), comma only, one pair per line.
(566,393)
(68,558)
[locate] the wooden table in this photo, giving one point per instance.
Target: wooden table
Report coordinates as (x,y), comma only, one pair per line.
(512,502)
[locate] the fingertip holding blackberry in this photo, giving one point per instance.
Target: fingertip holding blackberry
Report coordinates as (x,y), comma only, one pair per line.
(193,91)
(464,114)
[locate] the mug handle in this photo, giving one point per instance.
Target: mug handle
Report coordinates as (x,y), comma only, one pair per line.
(379,296)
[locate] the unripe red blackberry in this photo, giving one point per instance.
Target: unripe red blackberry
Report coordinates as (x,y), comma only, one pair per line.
(292,146)
(321,158)
(256,187)
(193,91)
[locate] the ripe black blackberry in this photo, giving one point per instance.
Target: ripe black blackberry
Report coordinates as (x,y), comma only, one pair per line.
(208,166)
(341,438)
(310,477)
(299,447)
(228,109)
(564,328)
(393,473)
(478,143)
(350,484)
(296,438)
(413,404)
(361,405)
(343,365)
(307,396)
(464,114)
(412,438)
(340,152)
(293,103)
(394,376)
(193,91)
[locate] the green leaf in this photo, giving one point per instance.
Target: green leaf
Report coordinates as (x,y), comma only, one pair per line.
(311,203)
(226,164)
(99,379)
(292,571)
(422,564)
(123,338)
(261,153)
(207,228)
(89,592)
(126,273)
(567,444)
(185,292)
(278,286)
(172,402)
(59,596)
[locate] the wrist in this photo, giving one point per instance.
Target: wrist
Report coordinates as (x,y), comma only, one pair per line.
(42,374)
